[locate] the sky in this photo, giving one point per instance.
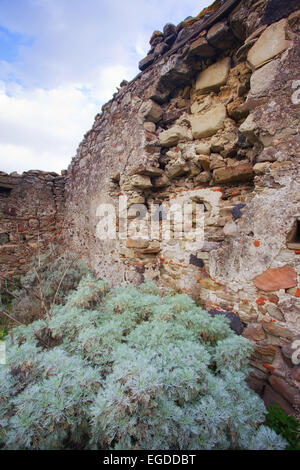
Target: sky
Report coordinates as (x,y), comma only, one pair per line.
(60,61)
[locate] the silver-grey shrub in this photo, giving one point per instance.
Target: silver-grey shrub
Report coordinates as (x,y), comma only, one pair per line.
(129,368)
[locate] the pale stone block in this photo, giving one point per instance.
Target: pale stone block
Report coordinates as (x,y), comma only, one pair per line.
(263,78)
(230,174)
(213,77)
(248,128)
(173,135)
(271,42)
(206,125)
(259,168)
(202,148)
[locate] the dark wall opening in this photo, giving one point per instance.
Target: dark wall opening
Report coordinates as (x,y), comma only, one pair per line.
(293,238)
(5,191)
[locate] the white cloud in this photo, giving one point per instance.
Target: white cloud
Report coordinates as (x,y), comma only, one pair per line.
(106,79)
(76,54)
(42,128)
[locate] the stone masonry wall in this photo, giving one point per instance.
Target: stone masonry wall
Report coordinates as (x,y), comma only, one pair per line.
(213,118)
(31,213)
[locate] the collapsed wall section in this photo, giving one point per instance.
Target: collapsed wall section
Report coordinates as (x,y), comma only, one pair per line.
(214,119)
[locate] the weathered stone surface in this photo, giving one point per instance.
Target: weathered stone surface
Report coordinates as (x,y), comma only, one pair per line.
(156,36)
(31,215)
(275,312)
(169,29)
(161,182)
(257,381)
(147,171)
(260,168)
(276,329)
(206,125)
(146,62)
(248,129)
(141,181)
(263,78)
(254,332)
(271,43)
(201,104)
(271,397)
(277,9)
(220,36)
(204,161)
(138,243)
(154,247)
(216,161)
(290,393)
(265,352)
(161,49)
(237,110)
(175,72)
(149,126)
(171,115)
(230,229)
(235,323)
(296,373)
(231,174)
(212,78)
(177,169)
(173,135)
(201,48)
(151,111)
(276,278)
(267,155)
(203,177)
(157,92)
(202,148)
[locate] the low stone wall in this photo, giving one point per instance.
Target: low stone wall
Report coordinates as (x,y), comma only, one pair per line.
(31,214)
(213,118)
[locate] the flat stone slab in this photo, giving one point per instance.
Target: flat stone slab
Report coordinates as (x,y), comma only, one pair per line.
(220,36)
(231,174)
(276,278)
(173,135)
(206,125)
(212,78)
(202,48)
(262,79)
(270,43)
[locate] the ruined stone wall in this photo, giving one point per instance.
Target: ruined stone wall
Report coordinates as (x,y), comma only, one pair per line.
(31,214)
(213,118)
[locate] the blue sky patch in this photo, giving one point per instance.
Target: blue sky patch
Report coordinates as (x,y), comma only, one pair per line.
(10,43)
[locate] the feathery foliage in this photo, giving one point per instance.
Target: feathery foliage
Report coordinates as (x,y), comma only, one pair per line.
(129,368)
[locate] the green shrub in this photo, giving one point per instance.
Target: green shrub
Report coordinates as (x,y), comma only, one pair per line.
(128,368)
(287,426)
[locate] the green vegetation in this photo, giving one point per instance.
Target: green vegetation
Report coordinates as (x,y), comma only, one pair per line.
(124,368)
(287,426)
